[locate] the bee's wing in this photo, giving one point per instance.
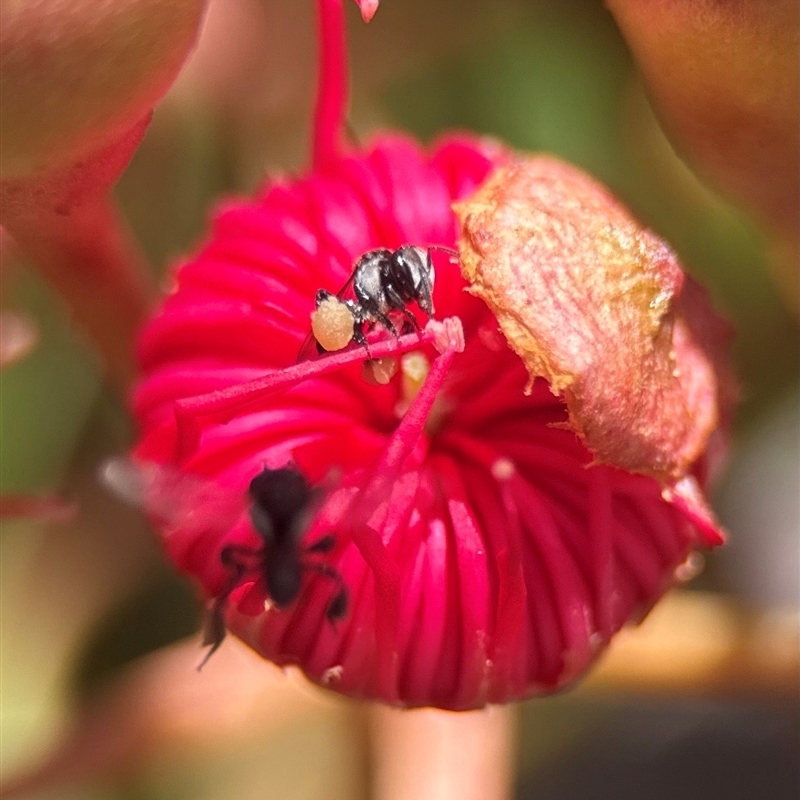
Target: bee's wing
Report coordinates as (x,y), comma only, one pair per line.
(309,349)
(347,292)
(171,497)
(123,478)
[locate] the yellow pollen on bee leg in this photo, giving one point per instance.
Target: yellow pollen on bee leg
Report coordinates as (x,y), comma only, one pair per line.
(332,324)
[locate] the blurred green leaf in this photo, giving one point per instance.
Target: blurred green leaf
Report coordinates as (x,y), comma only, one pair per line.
(46,398)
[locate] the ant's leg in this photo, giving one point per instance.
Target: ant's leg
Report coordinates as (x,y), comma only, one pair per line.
(337,605)
(214,629)
(322,545)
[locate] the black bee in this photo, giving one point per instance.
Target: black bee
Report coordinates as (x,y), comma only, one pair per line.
(279,510)
(281,504)
(385,282)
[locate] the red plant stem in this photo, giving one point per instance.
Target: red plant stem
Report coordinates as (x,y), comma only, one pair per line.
(92,262)
(332,80)
(222,405)
(26,506)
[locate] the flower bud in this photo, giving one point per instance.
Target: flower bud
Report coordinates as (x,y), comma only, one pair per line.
(78,74)
(724,81)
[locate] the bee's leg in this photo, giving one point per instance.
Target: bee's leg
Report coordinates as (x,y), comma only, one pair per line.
(410,322)
(307,349)
(424,293)
(235,559)
(394,300)
(360,339)
(387,323)
(425,296)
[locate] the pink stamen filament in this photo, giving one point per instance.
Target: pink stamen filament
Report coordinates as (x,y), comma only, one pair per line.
(368,539)
(221,406)
(332,80)
(368,8)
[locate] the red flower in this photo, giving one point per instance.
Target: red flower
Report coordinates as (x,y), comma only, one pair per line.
(485,556)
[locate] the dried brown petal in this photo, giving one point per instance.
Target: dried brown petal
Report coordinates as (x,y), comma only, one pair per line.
(595,303)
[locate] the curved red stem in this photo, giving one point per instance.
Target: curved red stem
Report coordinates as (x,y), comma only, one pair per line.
(332,83)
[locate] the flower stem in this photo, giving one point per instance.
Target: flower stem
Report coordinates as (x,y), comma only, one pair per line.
(431,753)
(332,83)
(90,259)
(66,222)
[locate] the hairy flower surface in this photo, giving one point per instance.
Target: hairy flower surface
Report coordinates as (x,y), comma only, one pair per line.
(485,555)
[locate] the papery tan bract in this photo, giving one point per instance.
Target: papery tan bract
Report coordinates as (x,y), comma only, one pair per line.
(594,302)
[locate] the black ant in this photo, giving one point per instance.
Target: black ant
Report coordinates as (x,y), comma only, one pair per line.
(384,282)
(280,508)
(279,512)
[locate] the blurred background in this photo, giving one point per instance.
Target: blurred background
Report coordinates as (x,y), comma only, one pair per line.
(97,669)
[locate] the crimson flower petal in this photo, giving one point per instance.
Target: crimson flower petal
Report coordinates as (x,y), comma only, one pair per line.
(485,555)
